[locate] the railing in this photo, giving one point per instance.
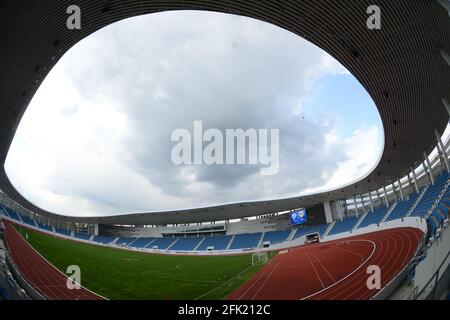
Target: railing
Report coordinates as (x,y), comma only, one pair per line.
(438,199)
(418,200)
(388,213)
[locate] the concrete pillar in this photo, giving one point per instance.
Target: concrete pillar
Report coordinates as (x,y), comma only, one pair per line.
(385,197)
(415,180)
(371,201)
(328,212)
(427,162)
(356,205)
(401,190)
(362,202)
(441,149)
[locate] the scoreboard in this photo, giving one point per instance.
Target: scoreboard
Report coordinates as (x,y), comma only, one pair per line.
(298,217)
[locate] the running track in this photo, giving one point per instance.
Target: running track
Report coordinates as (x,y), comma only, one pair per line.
(332,270)
(38,272)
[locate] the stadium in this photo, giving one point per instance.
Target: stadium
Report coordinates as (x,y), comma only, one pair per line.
(382,237)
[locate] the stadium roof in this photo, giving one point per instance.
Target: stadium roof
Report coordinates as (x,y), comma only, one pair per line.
(400,66)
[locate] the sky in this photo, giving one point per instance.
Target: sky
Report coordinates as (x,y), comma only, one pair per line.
(96,137)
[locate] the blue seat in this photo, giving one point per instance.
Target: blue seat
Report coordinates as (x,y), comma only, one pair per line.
(305,230)
(103,239)
(186,244)
(275,237)
(82,236)
(63,232)
(162,243)
(345,225)
(125,241)
(141,242)
(374,217)
(246,241)
(218,242)
(402,208)
(44,227)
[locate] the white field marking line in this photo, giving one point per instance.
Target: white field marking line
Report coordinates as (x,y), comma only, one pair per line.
(347,276)
(57,268)
(351,252)
(254,282)
(323,267)
(214,289)
(391,265)
(264,283)
(407,264)
(312,264)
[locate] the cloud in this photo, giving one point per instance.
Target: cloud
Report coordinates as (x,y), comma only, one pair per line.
(96,137)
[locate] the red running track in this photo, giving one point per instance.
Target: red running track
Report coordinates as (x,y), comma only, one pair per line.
(335,270)
(38,272)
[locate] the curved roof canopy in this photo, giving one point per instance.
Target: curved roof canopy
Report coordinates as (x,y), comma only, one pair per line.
(400,66)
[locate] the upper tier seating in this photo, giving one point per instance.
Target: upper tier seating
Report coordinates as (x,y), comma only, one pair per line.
(186,244)
(275,237)
(246,241)
(374,217)
(402,208)
(305,230)
(216,242)
(430,196)
(345,225)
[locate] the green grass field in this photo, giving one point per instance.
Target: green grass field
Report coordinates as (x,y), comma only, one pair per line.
(121,274)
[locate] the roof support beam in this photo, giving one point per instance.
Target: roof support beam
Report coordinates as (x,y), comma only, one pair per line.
(442,150)
(428,164)
(415,179)
(362,202)
(401,189)
(385,197)
(356,205)
(371,201)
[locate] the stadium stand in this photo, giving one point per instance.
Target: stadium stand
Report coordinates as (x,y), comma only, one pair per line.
(162,243)
(275,237)
(125,241)
(402,207)
(430,196)
(345,225)
(103,239)
(186,244)
(141,242)
(82,236)
(44,226)
(27,220)
(63,232)
(11,213)
(305,230)
(373,217)
(246,241)
(216,243)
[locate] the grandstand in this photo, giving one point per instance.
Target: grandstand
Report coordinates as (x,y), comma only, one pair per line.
(403,202)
